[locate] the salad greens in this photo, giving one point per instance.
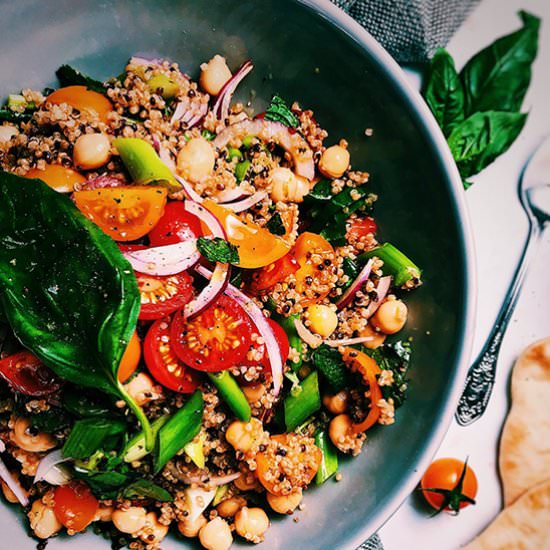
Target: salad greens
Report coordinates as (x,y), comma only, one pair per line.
(66,290)
(88,436)
(68,76)
(396,264)
(279,111)
(478,108)
(275,225)
(232,394)
(300,406)
(328,361)
(218,250)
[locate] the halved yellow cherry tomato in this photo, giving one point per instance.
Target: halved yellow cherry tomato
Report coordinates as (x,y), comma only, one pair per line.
(58,177)
(257,246)
(130,358)
(79,97)
(124,213)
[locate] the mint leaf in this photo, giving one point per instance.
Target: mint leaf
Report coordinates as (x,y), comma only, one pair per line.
(279,111)
(218,250)
(275,225)
(330,364)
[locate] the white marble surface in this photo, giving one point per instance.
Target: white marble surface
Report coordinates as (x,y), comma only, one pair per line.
(500,228)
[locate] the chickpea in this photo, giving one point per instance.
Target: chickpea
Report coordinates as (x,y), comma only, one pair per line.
(130,520)
(104,513)
(251,523)
(254,392)
(247,482)
(242,435)
(339,429)
(323,320)
(7,132)
(196,160)
(216,535)
(142,389)
(91,151)
(189,528)
(30,441)
(378,338)
(337,403)
(43,520)
(214,75)
(286,186)
(334,161)
(8,493)
(390,317)
(153,532)
(285,504)
(230,506)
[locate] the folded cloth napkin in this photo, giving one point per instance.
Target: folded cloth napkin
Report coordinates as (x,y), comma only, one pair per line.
(411,30)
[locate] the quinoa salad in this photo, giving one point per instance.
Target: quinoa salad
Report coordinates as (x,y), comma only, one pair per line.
(197,313)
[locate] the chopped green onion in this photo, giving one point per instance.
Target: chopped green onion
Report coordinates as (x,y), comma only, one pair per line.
(135,448)
(208,135)
(181,428)
(241,170)
(17,103)
(329,462)
(195,450)
(300,407)
(221,491)
(396,263)
(294,341)
(143,163)
(234,153)
(161,84)
(247,141)
(88,435)
(231,394)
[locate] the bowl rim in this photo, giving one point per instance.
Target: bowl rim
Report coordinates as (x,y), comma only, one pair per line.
(420,110)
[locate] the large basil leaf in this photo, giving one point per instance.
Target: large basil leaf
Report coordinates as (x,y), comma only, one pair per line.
(482,137)
(498,76)
(443,91)
(65,288)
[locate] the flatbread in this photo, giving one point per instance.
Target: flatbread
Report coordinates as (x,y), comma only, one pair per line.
(525,441)
(525,525)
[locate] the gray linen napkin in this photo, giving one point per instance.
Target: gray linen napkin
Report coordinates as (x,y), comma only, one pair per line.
(411,30)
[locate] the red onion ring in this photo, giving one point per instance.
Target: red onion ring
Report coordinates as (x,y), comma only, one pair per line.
(99,182)
(214,481)
(348,341)
(247,203)
(230,195)
(51,460)
(223,101)
(312,340)
(164,260)
(348,295)
(381,290)
(188,189)
(11,482)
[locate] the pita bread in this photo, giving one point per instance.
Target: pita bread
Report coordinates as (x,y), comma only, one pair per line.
(525,441)
(525,525)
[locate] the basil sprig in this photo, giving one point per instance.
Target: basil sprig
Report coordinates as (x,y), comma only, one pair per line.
(279,111)
(218,250)
(478,108)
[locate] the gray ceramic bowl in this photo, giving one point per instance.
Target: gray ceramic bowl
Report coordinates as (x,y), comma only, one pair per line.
(311,52)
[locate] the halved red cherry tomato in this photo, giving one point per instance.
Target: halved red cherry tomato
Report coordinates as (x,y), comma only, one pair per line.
(161,295)
(130,358)
(75,506)
(282,341)
(124,213)
(217,339)
(360,227)
(25,373)
(268,276)
(175,225)
(79,97)
(162,363)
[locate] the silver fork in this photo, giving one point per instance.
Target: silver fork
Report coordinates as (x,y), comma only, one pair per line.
(534,195)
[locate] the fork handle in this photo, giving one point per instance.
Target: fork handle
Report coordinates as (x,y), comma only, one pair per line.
(481,375)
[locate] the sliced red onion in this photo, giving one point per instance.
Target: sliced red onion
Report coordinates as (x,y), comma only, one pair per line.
(11,482)
(206,217)
(164,260)
(223,102)
(312,340)
(348,295)
(139,61)
(381,290)
(179,111)
(216,285)
(186,116)
(247,203)
(50,471)
(268,130)
(195,119)
(230,195)
(213,481)
(348,341)
(198,499)
(100,182)
(188,189)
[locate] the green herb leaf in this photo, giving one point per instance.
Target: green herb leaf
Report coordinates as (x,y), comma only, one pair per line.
(279,111)
(143,488)
(50,421)
(330,364)
(443,91)
(498,76)
(104,484)
(68,76)
(482,137)
(87,436)
(84,406)
(7,115)
(68,293)
(329,461)
(218,250)
(275,225)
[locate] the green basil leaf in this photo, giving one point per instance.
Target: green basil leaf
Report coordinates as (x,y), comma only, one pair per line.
(482,137)
(279,111)
(68,76)
(498,76)
(443,91)
(330,364)
(143,488)
(104,484)
(218,250)
(50,421)
(66,290)
(275,225)
(88,435)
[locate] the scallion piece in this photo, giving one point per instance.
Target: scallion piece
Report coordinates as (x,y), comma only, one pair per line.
(88,435)
(301,406)
(329,462)
(231,394)
(135,448)
(143,163)
(161,84)
(396,263)
(294,341)
(181,428)
(241,170)
(234,153)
